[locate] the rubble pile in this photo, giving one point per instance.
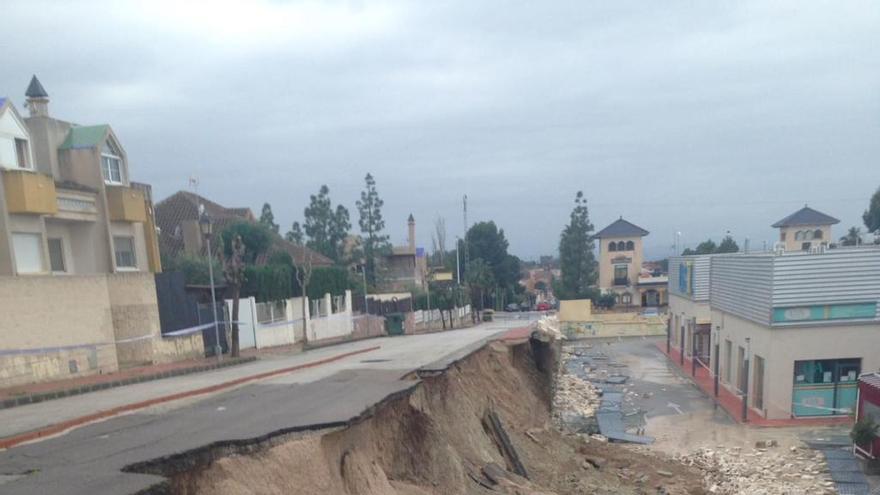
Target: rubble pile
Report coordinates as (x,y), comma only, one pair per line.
(574,396)
(550,326)
(763,471)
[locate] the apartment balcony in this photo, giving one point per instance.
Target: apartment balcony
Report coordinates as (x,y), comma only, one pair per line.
(126,204)
(29,192)
(79,206)
(621,282)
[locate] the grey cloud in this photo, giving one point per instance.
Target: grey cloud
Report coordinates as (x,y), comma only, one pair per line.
(697,117)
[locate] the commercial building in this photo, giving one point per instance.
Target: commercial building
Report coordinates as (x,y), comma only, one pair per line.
(67,202)
(792,331)
(689,312)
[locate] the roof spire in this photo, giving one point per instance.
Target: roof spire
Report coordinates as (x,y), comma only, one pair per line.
(35,89)
(37,98)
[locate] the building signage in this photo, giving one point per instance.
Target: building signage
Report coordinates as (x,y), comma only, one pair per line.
(825,312)
(686,278)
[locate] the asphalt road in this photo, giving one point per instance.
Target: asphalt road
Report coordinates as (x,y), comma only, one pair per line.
(89,460)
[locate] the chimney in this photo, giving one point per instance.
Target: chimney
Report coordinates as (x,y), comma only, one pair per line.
(411,234)
(37,99)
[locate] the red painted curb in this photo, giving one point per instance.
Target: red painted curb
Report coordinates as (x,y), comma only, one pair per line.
(9,442)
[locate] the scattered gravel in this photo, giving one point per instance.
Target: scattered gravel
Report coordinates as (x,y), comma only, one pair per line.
(762,471)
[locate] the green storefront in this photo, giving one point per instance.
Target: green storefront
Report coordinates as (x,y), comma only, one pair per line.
(825,387)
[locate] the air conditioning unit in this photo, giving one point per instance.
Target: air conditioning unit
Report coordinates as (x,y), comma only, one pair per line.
(779,248)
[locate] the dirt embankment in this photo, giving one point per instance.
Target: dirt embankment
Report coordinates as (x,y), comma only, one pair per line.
(434,442)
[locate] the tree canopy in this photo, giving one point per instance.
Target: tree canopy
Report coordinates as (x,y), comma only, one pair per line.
(375,243)
(576,257)
(267,218)
(871,216)
(256,238)
(488,243)
(853,237)
(325,227)
(728,245)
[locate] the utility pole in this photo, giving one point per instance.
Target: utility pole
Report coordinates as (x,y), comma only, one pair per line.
(457,260)
(745,381)
(466,258)
(364,275)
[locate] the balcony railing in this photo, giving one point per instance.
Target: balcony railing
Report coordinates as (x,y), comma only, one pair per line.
(76,205)
(621,282)
(29,192)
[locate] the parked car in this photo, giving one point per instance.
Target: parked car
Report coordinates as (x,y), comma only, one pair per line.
(512,307)
(543,307)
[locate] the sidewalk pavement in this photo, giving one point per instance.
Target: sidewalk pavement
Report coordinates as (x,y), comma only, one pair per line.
(31,393)
(23,424)
(731,402)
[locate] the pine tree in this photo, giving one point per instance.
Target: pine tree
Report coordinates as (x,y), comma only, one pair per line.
(267,218)
(576,253)
(728,245)
(325,228)
(295,234)
(371,223)
(872,214)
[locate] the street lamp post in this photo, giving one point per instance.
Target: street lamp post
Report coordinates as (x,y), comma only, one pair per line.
(745,381)
(364,275)
(207,229)
(457,260)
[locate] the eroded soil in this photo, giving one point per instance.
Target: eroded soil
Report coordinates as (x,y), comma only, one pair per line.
(433,441)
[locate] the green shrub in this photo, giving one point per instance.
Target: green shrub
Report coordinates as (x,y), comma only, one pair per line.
(864,431)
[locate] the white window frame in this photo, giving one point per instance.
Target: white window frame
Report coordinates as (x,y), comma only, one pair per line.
(125,268)
(22,157)
(64,264)
(108,153)
(42,257)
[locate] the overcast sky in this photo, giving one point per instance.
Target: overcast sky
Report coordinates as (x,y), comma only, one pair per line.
(696,117)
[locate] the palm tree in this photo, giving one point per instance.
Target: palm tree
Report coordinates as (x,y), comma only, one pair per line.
(852,238)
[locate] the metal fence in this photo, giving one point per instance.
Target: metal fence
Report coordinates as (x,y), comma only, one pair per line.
(271,311)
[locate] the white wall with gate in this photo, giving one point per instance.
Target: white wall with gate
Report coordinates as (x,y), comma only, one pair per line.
(277,323)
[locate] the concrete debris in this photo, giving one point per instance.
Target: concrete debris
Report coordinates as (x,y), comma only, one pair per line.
(574,396)
(550,325)
(761,472)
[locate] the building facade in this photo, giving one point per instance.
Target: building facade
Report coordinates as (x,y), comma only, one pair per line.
(620,266)
(792,332)
(805,230)
(67,202)
(689,312)
(405,267)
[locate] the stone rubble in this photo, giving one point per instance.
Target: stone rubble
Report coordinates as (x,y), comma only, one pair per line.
(574,396)
(762,471)
(765,470)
